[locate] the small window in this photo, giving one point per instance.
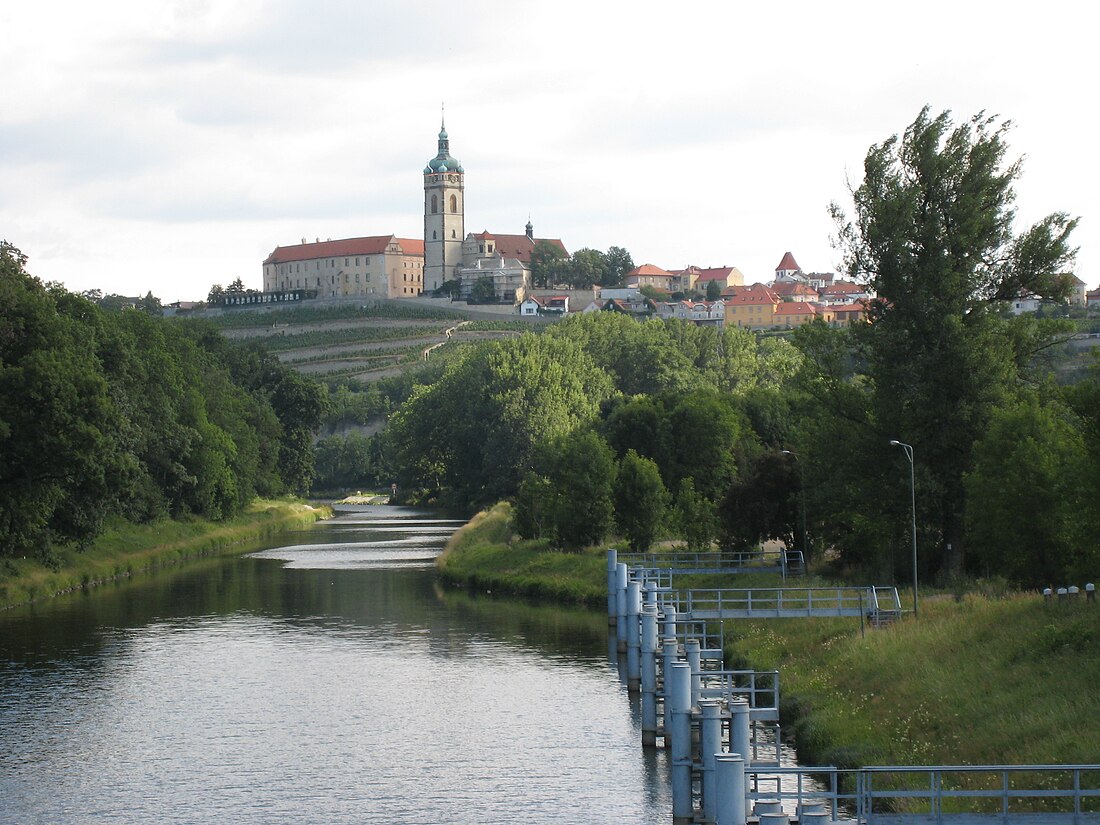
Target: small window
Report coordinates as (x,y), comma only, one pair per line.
(454,203)
(435,204)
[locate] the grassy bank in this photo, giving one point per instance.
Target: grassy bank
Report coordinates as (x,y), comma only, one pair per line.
(125,549)
(485,555)
(978,679)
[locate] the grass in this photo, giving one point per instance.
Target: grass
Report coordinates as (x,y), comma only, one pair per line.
(979,678)
(484,555)
(124,549)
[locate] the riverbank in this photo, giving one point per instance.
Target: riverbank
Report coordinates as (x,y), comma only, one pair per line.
(984,678)
(125,549)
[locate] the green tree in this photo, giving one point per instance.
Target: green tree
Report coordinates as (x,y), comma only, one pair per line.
(548,261)
(696,517)
(1030,506)
(470,437)
(714,290)
(640,500)
(483,291)
(619,263)
(933,237)
(587,268)
(581,470)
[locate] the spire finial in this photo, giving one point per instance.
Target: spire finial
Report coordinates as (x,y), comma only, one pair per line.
(443,115)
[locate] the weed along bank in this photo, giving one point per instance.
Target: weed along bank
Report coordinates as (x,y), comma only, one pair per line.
(721,726)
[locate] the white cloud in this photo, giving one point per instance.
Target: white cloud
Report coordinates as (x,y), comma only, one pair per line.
(169,146)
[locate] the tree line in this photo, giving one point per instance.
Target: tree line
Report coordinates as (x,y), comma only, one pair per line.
(115,412)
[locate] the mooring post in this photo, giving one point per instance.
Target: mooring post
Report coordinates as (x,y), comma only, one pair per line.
(741,742)
(649,675)
(710,744)
(622,576)
(679,691)
(730,782)
(612,596)
(694,656)
(633,636)
(669,653)
(649,593)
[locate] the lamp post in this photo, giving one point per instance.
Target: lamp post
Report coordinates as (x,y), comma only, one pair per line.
(802,490)
(908,448)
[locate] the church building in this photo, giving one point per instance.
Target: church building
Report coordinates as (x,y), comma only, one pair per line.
(386,266)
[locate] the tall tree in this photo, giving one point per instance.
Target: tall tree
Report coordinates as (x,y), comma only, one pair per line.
(546,264)
(640,500)
(933,237)
(619,263)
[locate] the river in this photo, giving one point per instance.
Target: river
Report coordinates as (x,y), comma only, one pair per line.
(330,679)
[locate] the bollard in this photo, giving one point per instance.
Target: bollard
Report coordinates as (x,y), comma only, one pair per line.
(649,675)
(780,818)
(1073,591)
(669,652)
(741,739)
(730,780)
(612,595)
(622,577)
(679,692)
(815,818)
(1062,593)
(649,594)
(1047,594)
(694,658)
(1090,592)
(633,636)
(710,745)
(668,630)
(767,806)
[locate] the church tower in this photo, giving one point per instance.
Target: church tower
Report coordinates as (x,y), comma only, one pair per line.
(444,227)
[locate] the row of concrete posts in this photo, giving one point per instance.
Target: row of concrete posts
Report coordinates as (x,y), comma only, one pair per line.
(691,727)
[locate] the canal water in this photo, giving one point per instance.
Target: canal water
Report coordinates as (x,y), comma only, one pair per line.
(328,680)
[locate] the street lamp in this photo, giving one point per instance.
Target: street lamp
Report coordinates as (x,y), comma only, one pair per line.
(908,448)
(802,483)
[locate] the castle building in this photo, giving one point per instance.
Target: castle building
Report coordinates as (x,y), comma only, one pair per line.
(383,266)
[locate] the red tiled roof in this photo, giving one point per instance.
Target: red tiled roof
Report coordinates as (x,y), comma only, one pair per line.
(788,263)
(517,246)
(796,308)
(843,288)
(649,269)
(374,245)
(754,297)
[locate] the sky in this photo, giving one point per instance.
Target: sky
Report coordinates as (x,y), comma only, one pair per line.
(170,145)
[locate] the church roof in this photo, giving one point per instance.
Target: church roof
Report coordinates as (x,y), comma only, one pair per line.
(443,162)
(373,245)
(788,263)
(517,246)
(718,273)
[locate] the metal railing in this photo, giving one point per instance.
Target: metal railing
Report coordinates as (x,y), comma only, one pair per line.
(726,561)
(944,793)
(760,687)
(783,602)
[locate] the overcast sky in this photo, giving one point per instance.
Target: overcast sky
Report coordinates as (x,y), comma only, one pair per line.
(171,145)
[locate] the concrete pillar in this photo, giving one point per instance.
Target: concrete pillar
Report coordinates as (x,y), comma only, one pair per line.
(710,744)
(649,675)
(679,693)
(741,740)
(633,636)
(622,577)
(694,656)
(612,596)
(669,654)
(730,782)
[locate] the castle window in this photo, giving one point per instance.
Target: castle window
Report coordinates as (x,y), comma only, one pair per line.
(435,204)
(434,238)
(452,233)
(357,262)
(454,203)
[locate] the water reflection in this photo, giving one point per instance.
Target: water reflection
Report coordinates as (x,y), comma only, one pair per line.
(320,681)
